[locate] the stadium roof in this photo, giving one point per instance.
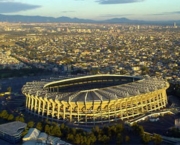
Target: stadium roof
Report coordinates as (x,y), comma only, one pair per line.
(86,78)
(140,86)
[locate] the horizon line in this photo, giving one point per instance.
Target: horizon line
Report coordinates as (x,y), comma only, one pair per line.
(140,20)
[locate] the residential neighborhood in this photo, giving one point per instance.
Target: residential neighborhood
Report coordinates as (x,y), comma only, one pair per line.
(67,49)
(92,48)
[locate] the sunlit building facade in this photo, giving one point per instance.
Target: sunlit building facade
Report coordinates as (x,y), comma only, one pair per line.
(96,98)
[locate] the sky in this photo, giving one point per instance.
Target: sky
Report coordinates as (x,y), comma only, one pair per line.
(95,9)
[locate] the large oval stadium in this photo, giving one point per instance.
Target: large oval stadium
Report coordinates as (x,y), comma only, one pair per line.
(96,98)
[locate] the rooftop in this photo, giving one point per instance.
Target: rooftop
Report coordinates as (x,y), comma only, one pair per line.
(107,93)
(12,128)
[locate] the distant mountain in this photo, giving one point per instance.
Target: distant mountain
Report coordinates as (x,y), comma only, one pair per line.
(43,19)
(122,20)
(128,21)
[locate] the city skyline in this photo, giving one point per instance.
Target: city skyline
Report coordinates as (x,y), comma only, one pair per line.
(95,9)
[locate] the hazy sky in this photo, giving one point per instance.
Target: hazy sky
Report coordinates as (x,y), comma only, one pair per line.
(95,9)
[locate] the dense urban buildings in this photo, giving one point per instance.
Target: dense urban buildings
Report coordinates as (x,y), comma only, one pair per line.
(38,53)
(95,99)
(91,48)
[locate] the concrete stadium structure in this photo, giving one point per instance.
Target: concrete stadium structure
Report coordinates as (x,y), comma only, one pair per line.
(95,99)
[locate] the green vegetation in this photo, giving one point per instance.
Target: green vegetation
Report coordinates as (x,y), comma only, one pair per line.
(39,126)
(144,70)
(19,118)
(146,137)
(157,139)
(25,132)
(4,114)
(9,89)
(115,134)
(10,117)
(30,124)
(123,71)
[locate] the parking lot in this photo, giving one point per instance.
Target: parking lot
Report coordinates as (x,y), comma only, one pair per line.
(165,122)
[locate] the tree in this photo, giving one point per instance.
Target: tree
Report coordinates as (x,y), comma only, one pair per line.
(123,71)
(4,114)
(9,89)
(141,130)
(144,70)
(62,126)
(73,130)
(119,128)
(10,117)
(24,132)
(19,118)
(92,137)
(113,130)
(83,139)
(94,71)
(105,139)
(56,131)
(30,124)
(39,126)
(47,129)
(88,141)
(70,137)
(64,129)
(157,139)
(138,129)
(127,138)
(106,130)
(47,121)
(96,130)
(77,139)
(146,138)
(119,139)
(175,68)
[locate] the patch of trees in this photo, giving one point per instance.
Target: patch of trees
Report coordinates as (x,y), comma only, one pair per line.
(146,137)
(123,71)
(10,117)
(174,132)
(106,135)
(22,44)
(144,70)
(115,134)
(6,116)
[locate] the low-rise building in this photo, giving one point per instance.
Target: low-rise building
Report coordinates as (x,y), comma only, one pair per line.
(12,131)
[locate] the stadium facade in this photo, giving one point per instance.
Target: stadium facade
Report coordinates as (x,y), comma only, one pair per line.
(96,98)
